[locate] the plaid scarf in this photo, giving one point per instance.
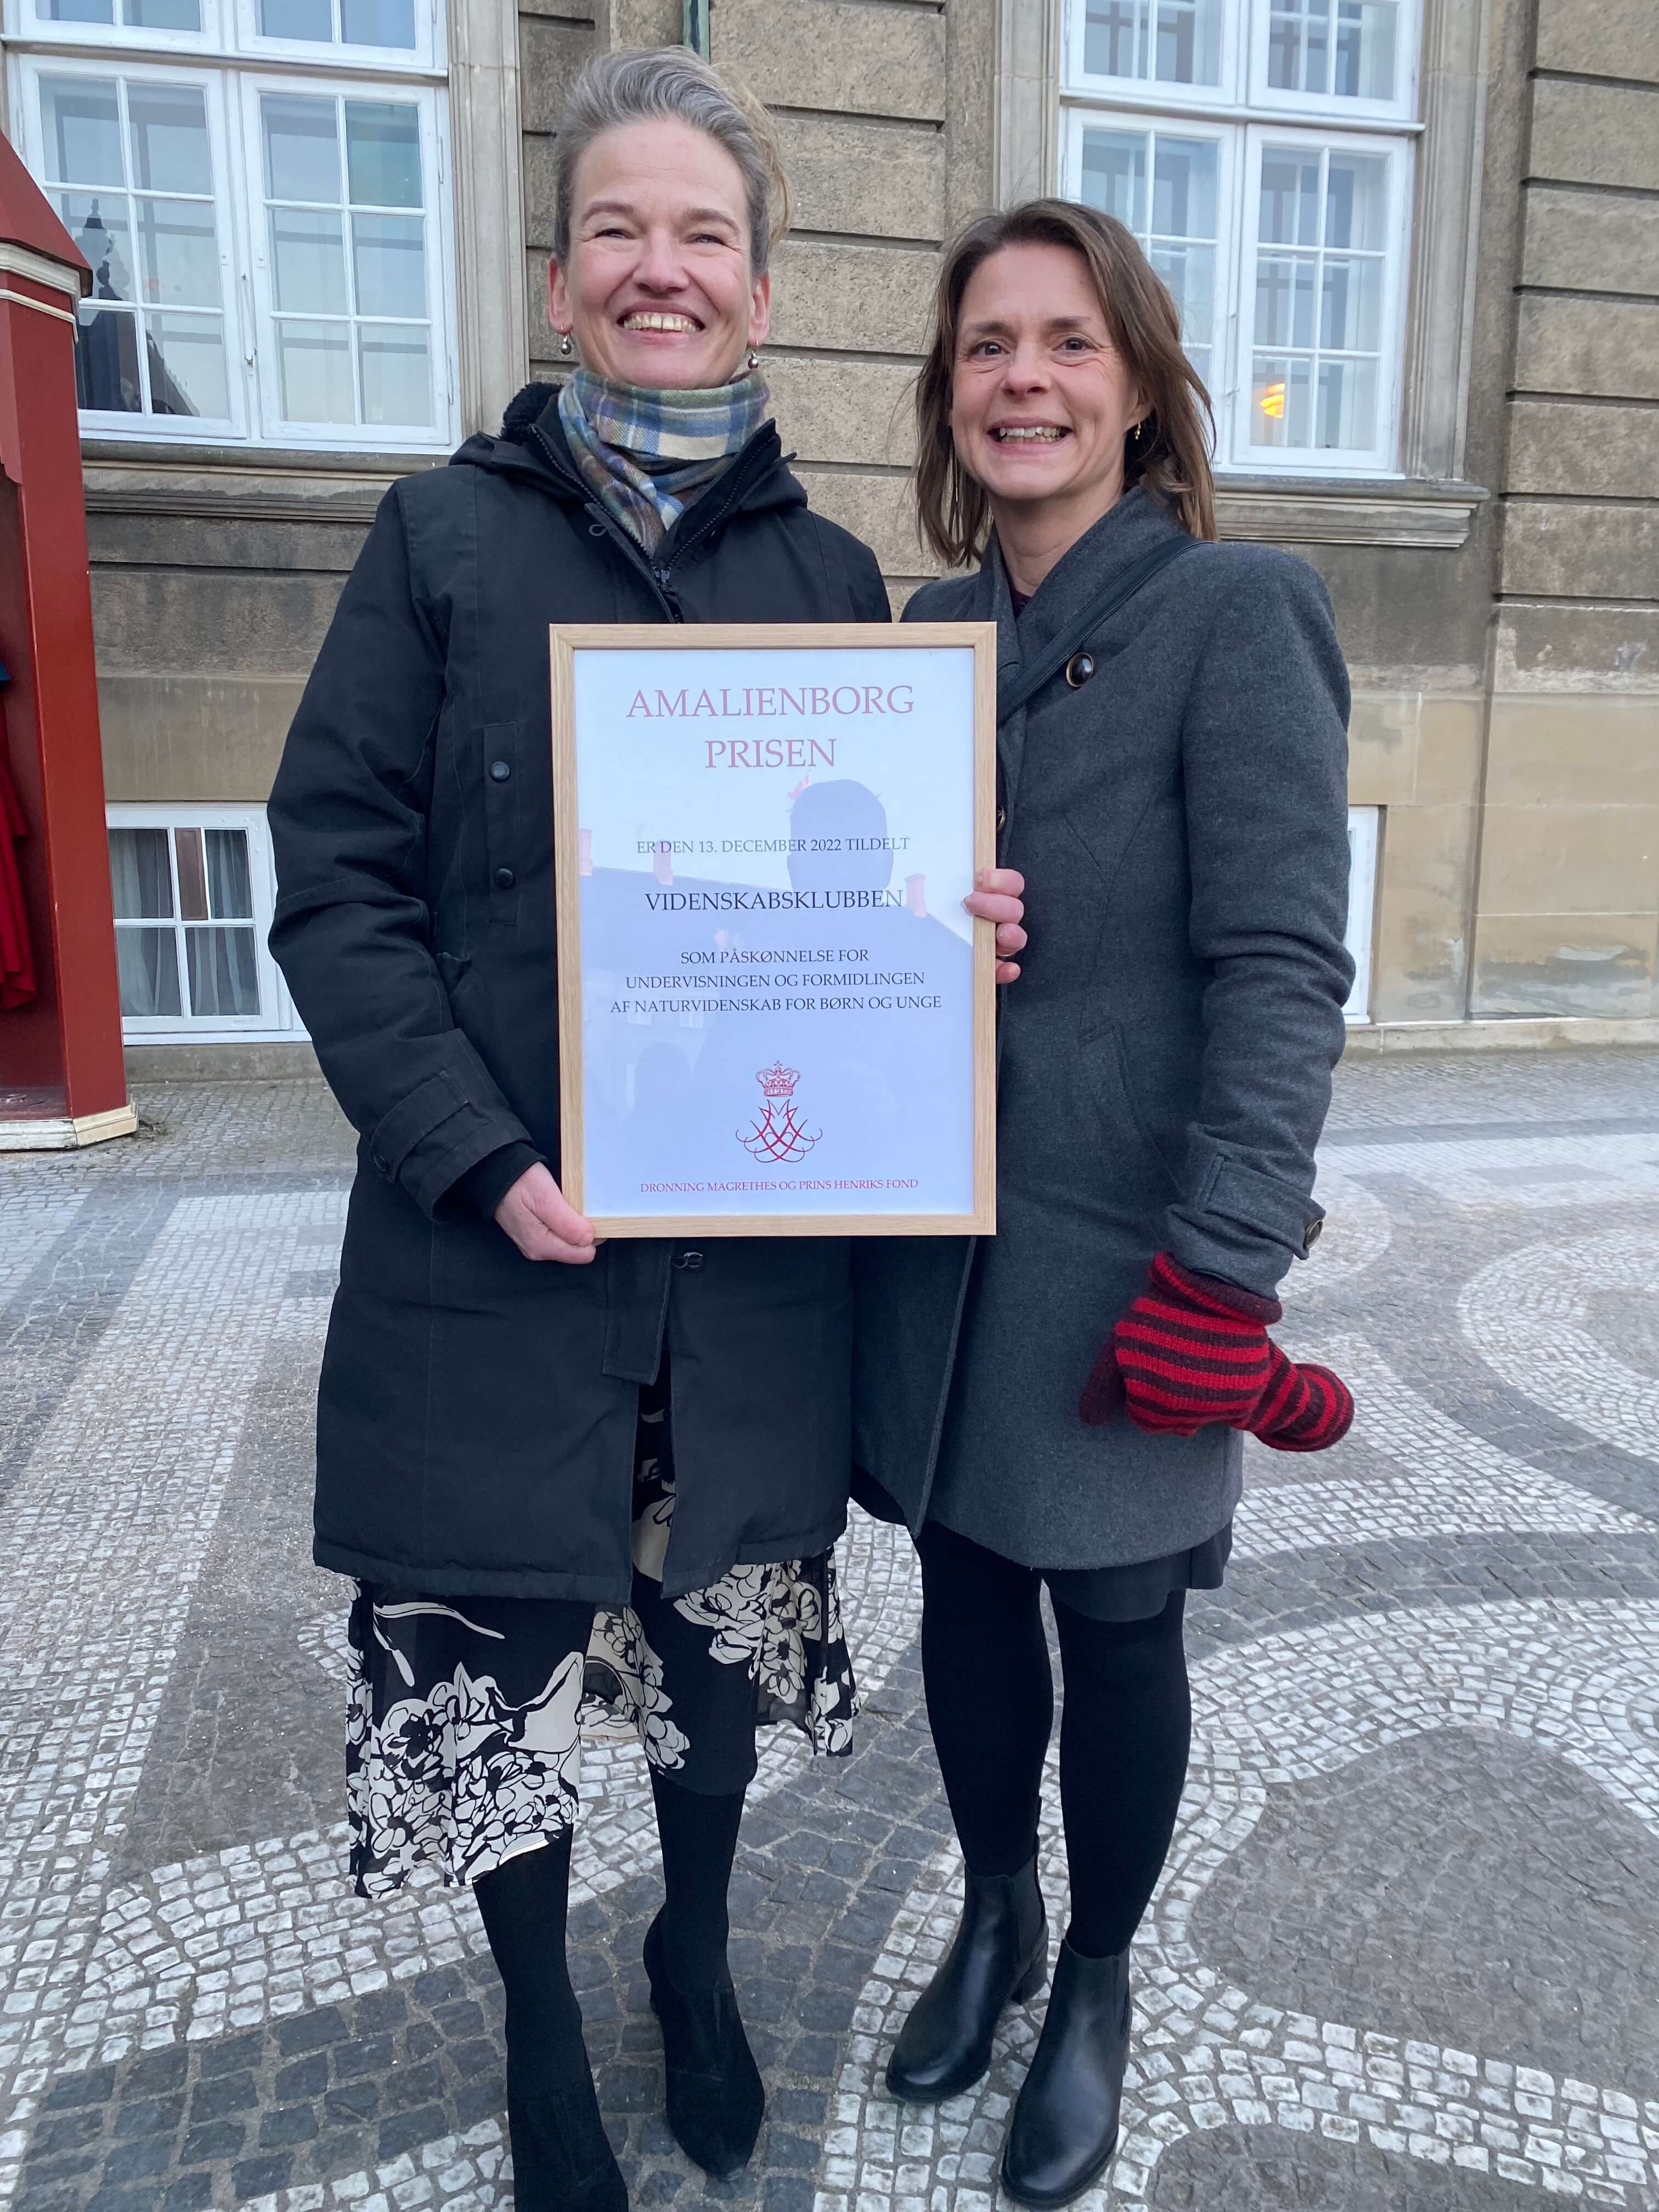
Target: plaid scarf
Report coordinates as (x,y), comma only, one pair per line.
(645,455)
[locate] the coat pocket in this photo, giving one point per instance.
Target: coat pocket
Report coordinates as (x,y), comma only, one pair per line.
(1106,1056)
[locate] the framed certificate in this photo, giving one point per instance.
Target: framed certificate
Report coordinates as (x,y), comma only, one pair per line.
(776,1017)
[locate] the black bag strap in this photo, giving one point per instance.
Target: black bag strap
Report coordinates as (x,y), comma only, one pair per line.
(1012,696)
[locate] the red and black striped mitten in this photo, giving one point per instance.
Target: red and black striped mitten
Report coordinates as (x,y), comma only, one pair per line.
(1192,1351)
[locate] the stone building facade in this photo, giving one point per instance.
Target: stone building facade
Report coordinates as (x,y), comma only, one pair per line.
(1417,247)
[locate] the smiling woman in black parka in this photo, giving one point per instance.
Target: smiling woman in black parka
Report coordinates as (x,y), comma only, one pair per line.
(562,1473)
(1065,1404)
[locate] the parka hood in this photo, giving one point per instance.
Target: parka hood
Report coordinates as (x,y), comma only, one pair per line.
(759,478)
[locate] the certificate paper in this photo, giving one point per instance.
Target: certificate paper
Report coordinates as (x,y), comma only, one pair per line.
(776,1017)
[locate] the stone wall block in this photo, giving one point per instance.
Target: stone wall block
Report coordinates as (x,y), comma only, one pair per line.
(843,410)
(1600,37)
(1541,647)
(844,56)
(129,542)
(1580,550)
(551,52)
(200,621)
(876,509)
(833,163)
(1568,751)
(1450,734)
(1590,241)
(215,739)
(1607,348)
(1570,859)
(1581,451)
(1597,964)
(1417,962)
(1383,748)
(1595,134)
(851,298)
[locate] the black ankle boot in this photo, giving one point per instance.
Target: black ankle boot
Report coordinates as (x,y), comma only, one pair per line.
(1064,2129)
(999,1956)
(562,2158)
(717,2101)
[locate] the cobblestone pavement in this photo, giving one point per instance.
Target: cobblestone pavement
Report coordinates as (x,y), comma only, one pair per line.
(1405,1954)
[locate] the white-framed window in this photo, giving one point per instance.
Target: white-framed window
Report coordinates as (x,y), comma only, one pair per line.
(260,188)
(1364,826)
(194,888)
(1262,151)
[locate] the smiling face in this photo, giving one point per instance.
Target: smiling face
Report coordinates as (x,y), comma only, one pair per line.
(659,289)
(1041,400)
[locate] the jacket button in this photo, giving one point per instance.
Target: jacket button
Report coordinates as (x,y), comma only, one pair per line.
(504,879)
(1078,669)
(692,1260)
(1312,1233)
(499,771)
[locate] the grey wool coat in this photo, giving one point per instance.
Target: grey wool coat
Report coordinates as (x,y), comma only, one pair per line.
(1165,1061)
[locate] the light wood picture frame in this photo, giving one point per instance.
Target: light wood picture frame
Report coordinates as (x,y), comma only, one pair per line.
(639,644)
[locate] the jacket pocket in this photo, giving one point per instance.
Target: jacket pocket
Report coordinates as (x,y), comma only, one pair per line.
(1107,1058)
(503,777)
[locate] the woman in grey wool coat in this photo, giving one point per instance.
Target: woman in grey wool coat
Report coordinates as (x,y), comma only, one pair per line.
(1063,1403)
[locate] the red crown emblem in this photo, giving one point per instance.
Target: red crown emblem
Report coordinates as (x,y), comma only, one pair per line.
(778,1081)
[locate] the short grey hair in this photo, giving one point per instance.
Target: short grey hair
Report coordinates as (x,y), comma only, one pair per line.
(673,82)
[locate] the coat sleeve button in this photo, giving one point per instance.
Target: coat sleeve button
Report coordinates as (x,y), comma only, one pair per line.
(1078,669)
(504,879)
(1312,1233)
(692,1260)
(499,771)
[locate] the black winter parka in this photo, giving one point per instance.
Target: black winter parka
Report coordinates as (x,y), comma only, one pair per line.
(477,1410)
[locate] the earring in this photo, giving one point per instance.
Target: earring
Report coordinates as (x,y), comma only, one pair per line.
(754,358)
(567,344)
(1141,433)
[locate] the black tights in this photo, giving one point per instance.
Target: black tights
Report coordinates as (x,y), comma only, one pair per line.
(1123,1741)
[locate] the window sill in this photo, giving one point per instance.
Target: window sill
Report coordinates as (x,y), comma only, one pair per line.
(1347,511)
(221,483)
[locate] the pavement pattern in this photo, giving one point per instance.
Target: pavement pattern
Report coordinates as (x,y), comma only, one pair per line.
(1405,1952)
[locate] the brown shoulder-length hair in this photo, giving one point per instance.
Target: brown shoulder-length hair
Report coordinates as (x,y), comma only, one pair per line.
(1170,454)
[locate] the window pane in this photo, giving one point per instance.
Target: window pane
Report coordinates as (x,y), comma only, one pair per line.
(396,377)
(390,254)
(302,149)
(1350,306)
(230,893)
(170,139)
(224,975)
(1357,201)
(82,130)
(75,11)
(378,22)
(1189,272)
(308,256)
(98,224)
(147,969)
(1184,188)
(192,874)
(140,878)
(1114,175)
(1289,196)
(106,361)
(1298,46)
(1188,47)
(1285,286)
(1280,412)
(1115,37)
(1364,49)
(179,253)
(315,362)
(1347,404)
(162,14)
(383,154)
(297,19)
(187,366)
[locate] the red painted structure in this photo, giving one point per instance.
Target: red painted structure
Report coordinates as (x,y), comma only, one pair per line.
(61,1080)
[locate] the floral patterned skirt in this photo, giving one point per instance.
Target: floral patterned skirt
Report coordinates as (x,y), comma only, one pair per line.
(467,1715)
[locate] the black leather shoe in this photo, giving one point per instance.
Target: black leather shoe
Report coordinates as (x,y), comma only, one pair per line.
(562,2158)
(998,1956)
(1064,2130)
(717,2101)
